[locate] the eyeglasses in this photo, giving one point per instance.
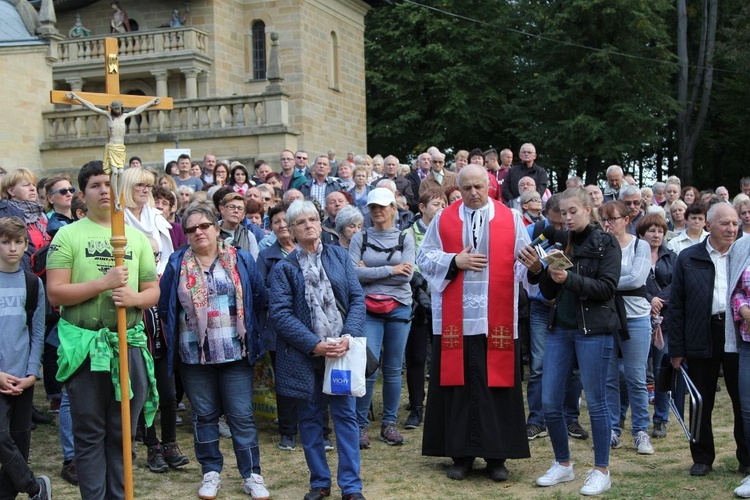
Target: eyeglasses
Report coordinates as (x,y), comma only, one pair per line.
(144,187)
(302,157)
(635,203)
(304,222)
(234,208)
(287,159)
(534,199)
(610,220)
(64,191)
(203,226)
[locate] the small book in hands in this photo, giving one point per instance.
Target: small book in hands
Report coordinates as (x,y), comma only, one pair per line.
(555,259)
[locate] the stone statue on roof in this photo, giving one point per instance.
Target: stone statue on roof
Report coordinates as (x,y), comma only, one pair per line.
(78,31)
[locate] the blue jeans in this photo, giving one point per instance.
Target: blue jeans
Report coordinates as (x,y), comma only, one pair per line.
(227,387)
(593,353)
(389,331)
(538,318)
(66,428)
(634,358)
(311,422)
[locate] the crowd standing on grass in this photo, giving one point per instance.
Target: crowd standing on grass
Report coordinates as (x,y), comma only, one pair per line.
(431,262)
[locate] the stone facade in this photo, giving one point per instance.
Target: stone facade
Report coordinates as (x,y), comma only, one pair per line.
(321,54)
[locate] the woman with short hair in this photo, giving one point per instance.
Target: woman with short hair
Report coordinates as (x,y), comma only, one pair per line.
(19,188)
(348,223)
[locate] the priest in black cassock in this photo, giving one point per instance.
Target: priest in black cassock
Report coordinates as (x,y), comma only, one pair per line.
(475,402)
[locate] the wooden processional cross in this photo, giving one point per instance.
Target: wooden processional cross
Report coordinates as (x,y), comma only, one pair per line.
(118,241)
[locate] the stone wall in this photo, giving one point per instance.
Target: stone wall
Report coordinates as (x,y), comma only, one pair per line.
(28,79)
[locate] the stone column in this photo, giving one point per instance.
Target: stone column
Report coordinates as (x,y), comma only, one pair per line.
(161,82)
(203,83)
(76,84)
(191,82)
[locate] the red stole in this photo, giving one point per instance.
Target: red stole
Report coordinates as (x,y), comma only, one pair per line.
(500,305)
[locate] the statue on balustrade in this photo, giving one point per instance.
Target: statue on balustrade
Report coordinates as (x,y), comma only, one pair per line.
(120,22)
(78,31)
(114,150)
(178,20)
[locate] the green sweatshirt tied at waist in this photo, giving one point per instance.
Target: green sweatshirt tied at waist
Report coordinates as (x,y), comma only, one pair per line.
(76,344)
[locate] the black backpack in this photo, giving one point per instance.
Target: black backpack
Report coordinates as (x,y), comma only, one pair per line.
(32,297)
(390,251)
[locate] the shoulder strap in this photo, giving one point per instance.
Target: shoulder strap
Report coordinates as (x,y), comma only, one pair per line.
(32,297)
(390,251)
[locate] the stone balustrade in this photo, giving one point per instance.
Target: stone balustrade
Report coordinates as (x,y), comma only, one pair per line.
(211,117)
(135,43)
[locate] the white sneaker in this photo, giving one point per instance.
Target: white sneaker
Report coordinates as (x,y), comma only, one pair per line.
(255,487)
(596,483)
(557,474)
(643,443)
(210,486)
(743,490)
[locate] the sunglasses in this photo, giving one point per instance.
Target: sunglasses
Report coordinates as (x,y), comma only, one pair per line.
(65,191)
(203,226)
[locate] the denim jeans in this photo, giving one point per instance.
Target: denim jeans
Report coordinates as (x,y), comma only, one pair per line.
(389,331)
(66,428)
(311,422)
(634,358)
(593,353)
(227,387)
(538,319)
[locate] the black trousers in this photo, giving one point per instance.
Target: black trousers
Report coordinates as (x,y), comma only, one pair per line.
(705,374)
(167,406)
(15,440)
(416,357)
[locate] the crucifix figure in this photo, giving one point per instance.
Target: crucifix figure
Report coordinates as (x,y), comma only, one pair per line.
(114,150)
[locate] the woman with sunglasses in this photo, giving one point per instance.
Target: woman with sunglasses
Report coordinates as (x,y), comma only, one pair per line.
(142,214)
(211,298)
(60,195)
(633,343)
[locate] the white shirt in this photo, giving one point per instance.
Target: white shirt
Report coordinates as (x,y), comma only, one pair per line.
(683,241)
(719,301)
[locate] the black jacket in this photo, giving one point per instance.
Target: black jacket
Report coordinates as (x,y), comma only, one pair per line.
(688,323)
(593,280)
(516,172)
(659,281)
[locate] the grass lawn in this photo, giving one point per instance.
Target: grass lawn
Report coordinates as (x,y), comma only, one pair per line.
(403,473)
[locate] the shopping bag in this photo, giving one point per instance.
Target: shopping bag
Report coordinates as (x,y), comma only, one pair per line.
(264,392)
(345,376)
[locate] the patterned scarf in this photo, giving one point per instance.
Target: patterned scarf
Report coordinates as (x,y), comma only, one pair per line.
(325,316)
(33,215)
(193,282)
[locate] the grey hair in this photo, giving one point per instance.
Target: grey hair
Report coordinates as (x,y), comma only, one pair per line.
(200,208)
(629,190)
(714,208)
(614,168)
(659,185)
(656,209)
(461,173)
(528,195)
(299,208)
(387,183)
(346,216)
(189,189)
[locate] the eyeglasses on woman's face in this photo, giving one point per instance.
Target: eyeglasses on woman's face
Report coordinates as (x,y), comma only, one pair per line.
(203,226)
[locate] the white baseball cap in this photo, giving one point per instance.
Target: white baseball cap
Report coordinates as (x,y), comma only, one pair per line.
(381,196)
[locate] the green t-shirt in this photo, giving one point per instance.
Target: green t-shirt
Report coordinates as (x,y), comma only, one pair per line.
(84,248)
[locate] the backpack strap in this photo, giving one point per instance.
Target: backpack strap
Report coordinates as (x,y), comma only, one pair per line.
(32,297)
(398,248)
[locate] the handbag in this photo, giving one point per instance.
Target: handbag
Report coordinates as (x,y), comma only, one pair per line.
(345,376)
(380,304)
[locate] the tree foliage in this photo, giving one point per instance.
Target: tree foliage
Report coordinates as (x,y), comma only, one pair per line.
(435,79)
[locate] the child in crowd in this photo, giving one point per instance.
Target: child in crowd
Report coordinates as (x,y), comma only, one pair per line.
(20,363)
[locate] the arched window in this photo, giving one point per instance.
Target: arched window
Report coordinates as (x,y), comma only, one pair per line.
(259,50)
(333,62)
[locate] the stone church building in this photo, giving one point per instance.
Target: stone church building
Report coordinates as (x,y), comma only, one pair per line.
(249,78)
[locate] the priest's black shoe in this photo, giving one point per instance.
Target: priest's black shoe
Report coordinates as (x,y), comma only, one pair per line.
(317,493)
(497,471)
(460,469)
(700,469)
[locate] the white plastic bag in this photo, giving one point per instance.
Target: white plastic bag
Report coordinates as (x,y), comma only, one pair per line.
(345,376)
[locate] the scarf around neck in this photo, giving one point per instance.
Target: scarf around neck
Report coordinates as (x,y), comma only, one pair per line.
(326,319)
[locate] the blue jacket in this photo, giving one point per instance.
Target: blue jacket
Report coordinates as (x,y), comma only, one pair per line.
(295,339)
(255,299)
(267,259)
(688,323)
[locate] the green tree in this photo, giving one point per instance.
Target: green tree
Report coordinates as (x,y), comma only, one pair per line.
(594,86)
(437,80)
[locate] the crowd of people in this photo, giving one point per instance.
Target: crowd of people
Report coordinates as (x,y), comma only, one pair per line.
(437,265)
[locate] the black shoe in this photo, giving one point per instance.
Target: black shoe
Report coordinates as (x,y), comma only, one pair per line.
(318,493)
(460,469)
(69,472)
(39,418)
(45,489)
(173,456)
(414,418)
(497,471)
(744,470)
(576,431)
(353,496)
(700,469)
(155,460)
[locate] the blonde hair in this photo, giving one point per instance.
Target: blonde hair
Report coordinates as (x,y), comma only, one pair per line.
(14,177)
(131,177)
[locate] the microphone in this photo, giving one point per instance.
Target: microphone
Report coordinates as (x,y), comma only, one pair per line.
(546,236)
